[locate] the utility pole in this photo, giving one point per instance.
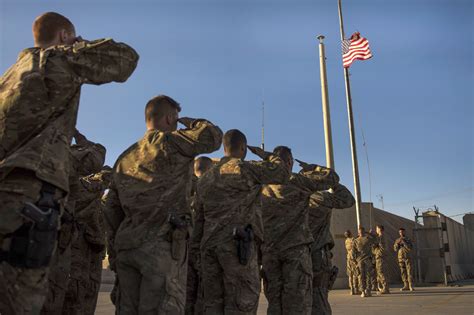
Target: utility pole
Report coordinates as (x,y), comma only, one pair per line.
(355,165)
(380,197)
(325,103)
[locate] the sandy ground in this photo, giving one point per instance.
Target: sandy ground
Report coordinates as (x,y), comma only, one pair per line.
(426,300)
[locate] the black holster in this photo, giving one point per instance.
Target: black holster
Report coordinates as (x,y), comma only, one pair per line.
(244,238)
(179,235)
(32,245)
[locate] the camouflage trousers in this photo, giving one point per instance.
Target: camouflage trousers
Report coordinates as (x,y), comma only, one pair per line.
(406,270)
(58,280)
(323,279)
(193,286)
(22,291)
(373,277)
(151,280)
(381,268)
(229,287)
(287,281)
(365,271)
(353,275)
(84,280)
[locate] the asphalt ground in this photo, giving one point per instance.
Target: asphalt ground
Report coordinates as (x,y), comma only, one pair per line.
(452,300)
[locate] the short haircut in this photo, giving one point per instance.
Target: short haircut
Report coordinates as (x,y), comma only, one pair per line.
(159,106)
(401,229)
(202,164)
(361,228)
(47,25)
(380,226)
(347,233)
(283,152)
(233,139)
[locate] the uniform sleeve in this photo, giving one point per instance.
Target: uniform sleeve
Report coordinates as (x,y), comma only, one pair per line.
(323,176)
(271,171)
(309,183)
(89,157)
(340,198)
(202,137)
(395,246)
(101,61)
(113,215)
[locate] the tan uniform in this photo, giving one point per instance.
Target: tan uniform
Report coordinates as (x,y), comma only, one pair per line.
(39,98)
(193,292)
(324,273)
(352,269)
(151,182)
(380,252)
(87,157)
(286,254)
(228,227)
(403,247)
(362,249)
(88,248)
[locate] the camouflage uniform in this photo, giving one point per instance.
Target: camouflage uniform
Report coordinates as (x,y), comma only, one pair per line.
(362,249)
(380,252)
(324,273)
(352,269)
(39,98)
(150,186)
(88,248)
(228,201)
(193,292)
(85,158)
(403,246)
(286,254)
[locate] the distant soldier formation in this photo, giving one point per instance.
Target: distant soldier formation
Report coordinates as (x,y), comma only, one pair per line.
(184,234)
(364,276)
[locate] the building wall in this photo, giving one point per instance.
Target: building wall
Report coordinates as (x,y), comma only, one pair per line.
(456,249)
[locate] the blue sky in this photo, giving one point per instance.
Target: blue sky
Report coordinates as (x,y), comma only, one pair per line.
(413,99)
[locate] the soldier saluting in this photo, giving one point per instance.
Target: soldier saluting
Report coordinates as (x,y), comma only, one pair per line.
(39,101)
(403,247)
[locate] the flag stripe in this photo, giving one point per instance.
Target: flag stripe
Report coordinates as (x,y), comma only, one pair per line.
(357,49)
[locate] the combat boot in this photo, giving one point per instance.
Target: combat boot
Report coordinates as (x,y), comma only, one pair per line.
(363,294)
(411,287)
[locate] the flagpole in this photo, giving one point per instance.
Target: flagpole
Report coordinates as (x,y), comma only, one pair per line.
(325,103)
(355,167)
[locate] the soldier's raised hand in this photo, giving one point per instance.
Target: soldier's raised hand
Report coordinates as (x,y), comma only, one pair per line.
(259,152)
(186,121)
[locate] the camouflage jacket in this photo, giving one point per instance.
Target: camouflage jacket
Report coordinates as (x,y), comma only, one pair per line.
(380,247)
(229,197)
(349,247)
(403,247)
(88,207)
(39,100)
(322,203)
(285,210)
(362,247)
(152,179)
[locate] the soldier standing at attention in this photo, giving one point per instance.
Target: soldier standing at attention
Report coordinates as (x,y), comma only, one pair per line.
(351,263)
(322,203)
(229,226)
(403,247)
(193,292)
(380,250)
(286,252)
(362,250)
(86,157)
(39,100)
(148,203)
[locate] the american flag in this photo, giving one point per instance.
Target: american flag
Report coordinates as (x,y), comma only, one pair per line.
(355,48)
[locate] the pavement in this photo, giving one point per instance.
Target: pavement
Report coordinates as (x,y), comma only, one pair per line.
(432,300)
